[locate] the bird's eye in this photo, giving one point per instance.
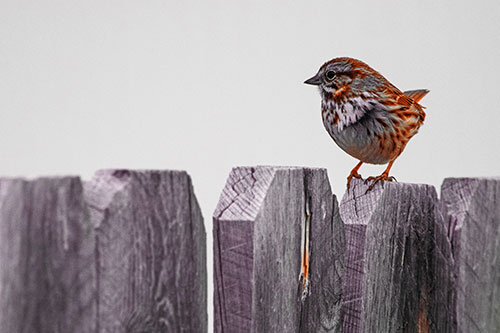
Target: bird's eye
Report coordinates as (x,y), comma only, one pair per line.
(330,75)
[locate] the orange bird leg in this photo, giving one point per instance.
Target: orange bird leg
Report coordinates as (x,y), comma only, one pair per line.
(383,177)
(354,174)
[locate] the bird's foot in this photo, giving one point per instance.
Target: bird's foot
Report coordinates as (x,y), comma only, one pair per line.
(382,178)
(353,174)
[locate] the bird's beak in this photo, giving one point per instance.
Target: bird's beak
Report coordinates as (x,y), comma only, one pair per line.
(315,81)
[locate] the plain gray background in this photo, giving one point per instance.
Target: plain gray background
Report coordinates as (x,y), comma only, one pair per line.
(208,85)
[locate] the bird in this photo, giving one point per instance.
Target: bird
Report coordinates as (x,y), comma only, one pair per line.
(366,115)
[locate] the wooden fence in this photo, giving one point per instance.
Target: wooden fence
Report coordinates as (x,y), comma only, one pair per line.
(394,259)
(126,252)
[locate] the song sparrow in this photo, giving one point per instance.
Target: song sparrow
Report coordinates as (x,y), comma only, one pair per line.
(367,116)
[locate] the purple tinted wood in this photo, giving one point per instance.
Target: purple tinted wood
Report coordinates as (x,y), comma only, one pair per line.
(398,232)
(472,210)
(125,254)
(150,252)
(47,277)
(322,302)
(356,208)
(258,237)
(233,229)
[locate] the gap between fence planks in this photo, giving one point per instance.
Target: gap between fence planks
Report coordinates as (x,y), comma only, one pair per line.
(124,252)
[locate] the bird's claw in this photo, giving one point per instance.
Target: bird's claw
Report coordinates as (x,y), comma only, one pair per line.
(354,174)
(382,178)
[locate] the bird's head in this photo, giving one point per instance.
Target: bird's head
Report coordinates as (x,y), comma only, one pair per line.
(340,73)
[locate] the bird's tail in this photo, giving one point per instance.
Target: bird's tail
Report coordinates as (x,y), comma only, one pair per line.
(416,95)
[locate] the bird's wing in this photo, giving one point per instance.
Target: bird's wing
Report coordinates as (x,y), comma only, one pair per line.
(405,107)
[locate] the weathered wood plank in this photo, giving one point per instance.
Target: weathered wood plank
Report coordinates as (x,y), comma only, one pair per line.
(472,210)
(150,252)
(356,209)
(397,254)
(124,252)
(265,219)
(47,283)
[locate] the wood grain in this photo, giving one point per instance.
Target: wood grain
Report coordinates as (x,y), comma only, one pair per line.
(397,253)
(150,252)
(356,209)
(259,232)
(47,283)
(472,210)
(125,252)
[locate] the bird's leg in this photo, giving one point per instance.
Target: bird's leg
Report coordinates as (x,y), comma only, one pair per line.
(383,177)
(354,174)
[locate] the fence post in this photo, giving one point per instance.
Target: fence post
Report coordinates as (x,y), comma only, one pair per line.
(266,220)
(472,210)
(47,282)
(398,260)
(124,252)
